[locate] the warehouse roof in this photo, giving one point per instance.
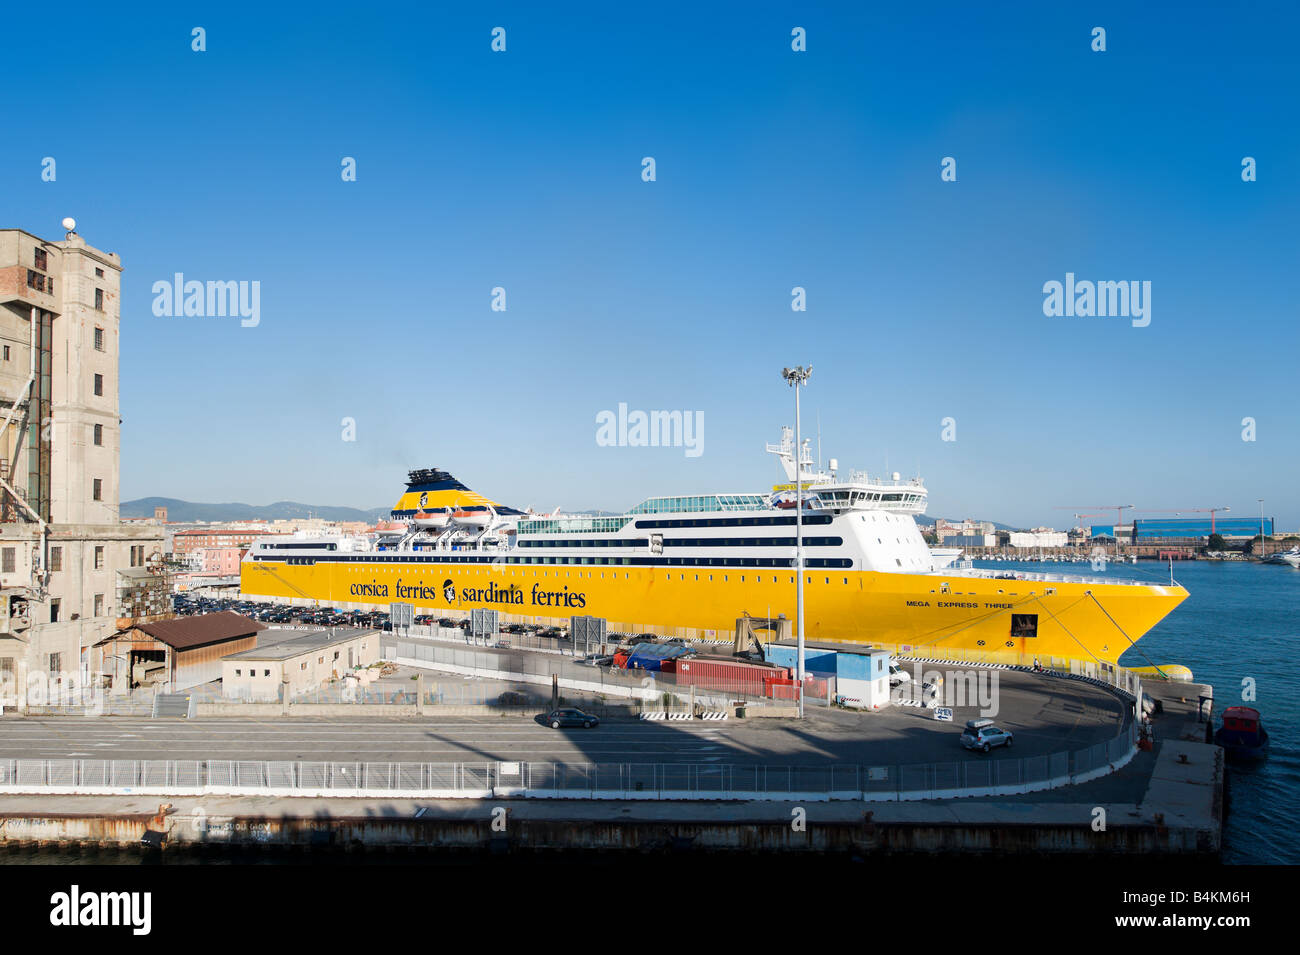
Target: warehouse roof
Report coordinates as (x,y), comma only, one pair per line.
(187,632)
(827,645)
(306,643)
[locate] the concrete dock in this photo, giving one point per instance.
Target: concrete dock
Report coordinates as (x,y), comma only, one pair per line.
(1167,801)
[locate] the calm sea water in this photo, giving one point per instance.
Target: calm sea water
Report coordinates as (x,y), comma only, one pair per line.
(1240,621)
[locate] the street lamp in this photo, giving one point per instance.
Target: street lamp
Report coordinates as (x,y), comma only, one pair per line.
(796,377)
(1261,528)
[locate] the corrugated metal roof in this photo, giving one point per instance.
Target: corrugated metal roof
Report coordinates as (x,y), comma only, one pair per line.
(199,631)
(304,643)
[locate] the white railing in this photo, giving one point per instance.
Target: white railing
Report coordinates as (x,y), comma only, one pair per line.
(975,776)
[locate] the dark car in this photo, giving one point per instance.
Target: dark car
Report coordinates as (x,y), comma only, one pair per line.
(570,716)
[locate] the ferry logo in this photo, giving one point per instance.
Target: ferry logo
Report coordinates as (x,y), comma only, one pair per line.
(208,300)
(653,429)
(449,590)
(424,499)
(1123,299)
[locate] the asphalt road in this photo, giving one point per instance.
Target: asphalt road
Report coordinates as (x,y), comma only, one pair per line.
(1045,715)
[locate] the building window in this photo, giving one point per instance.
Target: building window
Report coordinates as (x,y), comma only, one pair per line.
(6,353)
(97,489)
(42,283)
(54,610)
(56,558)
(99,273)
(41,260)
(99,385)
(99,555)
(9,559)
(99,605)
(99,338)
(99,435)
(99,299)
(266,673)
(56,662)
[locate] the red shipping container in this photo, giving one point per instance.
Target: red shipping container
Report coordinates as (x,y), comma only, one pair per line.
(734,676)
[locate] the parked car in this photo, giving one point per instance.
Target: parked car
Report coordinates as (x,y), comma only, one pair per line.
(898,676)
(984,735)
(570,716)
(596,660)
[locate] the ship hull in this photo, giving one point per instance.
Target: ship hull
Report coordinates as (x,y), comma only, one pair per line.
(975,618)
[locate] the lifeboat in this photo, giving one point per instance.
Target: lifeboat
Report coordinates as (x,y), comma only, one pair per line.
(472,518)
(433,519)
(391,530)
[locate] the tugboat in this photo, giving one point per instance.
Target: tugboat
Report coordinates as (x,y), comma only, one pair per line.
(1242,736)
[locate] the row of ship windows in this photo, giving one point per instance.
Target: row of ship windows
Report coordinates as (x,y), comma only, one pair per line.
(735,522)
(689,542)
(828,562)
(726,578)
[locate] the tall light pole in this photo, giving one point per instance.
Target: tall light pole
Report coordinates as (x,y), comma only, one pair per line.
(1261,527)
(796,377)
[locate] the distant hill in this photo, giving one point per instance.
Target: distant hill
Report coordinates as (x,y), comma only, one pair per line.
(187,511)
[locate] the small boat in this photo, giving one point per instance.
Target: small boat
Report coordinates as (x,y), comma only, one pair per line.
(391,530)
(1291,557)
(432,519)
(472,518)
(1242,736)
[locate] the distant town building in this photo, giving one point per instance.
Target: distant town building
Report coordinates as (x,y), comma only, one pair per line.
(70,570)
(185,542)
(1039,537)
(944,530)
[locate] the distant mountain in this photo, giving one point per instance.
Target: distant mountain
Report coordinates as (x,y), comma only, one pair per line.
(186,511)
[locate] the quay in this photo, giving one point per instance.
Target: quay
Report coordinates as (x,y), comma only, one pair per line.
(1167,800)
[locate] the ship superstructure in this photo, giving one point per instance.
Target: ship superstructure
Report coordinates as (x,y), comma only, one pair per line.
(690,565)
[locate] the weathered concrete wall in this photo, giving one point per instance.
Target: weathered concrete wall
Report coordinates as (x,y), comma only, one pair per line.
(629,835)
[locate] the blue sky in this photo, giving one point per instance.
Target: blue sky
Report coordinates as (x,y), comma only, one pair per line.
(775,169)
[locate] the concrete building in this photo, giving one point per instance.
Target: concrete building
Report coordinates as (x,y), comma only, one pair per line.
(301,663)
(70,570)
(1039,537)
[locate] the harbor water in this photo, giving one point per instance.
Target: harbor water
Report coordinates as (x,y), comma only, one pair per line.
(1240,623)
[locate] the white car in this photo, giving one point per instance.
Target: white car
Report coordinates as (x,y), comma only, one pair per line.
(898,676)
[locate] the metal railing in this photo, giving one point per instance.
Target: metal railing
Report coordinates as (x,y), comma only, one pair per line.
(974,776)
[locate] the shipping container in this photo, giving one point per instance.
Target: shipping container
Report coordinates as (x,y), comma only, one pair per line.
(731,676)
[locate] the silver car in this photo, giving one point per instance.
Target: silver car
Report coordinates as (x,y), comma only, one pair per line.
(983,735)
